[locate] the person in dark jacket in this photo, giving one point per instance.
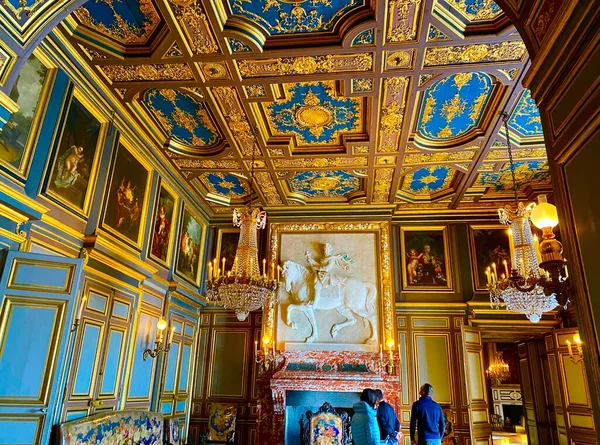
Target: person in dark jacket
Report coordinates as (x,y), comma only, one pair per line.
(363,426)
(427,418)
(389,425)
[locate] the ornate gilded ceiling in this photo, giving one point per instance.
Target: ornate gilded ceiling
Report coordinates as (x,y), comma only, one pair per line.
(391,103)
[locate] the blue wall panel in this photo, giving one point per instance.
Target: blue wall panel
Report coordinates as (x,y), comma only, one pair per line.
(171,367)
(142,371)
(87,359)
(111,363)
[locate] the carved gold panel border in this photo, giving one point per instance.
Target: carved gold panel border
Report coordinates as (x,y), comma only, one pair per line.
(382,232)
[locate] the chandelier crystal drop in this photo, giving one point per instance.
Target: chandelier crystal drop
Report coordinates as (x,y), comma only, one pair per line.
(243,288)
(498,370)
(523,289)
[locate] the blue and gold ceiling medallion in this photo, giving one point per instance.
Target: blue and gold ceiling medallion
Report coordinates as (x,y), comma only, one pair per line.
(454,105)
(294,17)
(526,172)
(525,119)
(312,113)
(476,10)
(128,21)
(428,180)
(182,117)
(367,37)
(324,183)
(225,184)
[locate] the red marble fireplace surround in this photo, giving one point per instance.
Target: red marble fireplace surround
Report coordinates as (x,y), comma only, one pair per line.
(327,374)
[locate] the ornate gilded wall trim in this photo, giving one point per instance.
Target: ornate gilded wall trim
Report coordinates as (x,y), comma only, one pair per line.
(434,158)
(403,20)
(391,117)
(382,185)
(321,162)
(513,51)
(236,118)
(524,153)
(194,24)
(385,268)
(209,164)
(268,188)
(286,66)
(132,73)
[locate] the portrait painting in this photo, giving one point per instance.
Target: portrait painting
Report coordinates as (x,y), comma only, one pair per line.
(425,258)
(77,152)
(190,240)
(227,242)
(329,293)
(126,195)
(489,244)
(17,134)
(162,226)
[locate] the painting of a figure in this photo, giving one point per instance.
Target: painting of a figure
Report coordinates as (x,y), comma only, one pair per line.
(227,246)
(127,192)
(189,247)
(161,230)
(77,151)
(488,245)
(425,259)
(26,93)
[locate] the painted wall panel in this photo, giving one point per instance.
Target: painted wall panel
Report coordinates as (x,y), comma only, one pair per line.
(185,367)
(171,367)
(228,364)
(87,359)
(29,275)
(25,351)
(111,362)
(142,372)
(433,363)
(19,430)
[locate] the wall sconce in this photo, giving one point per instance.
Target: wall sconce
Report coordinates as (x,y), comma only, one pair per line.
(267,357)
(577,357)
(389,363)
(161,325)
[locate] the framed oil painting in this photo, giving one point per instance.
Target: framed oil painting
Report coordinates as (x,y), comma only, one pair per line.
(73,169)
(162,227)
(489,244)
(127,195)
(227,242)
(30,92)
(425,258)
(189,247)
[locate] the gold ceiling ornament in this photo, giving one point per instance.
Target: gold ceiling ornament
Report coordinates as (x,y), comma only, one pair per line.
(207,164)
(243,288)
(512,51)
(486,9)
(321,162)
(391,116)
(236,118)
(498,370)
(215,70)
(400,59)
(403,20)
(268,188)
(525,153)
(313,115)
(255,90)
(286,66)
(537,270)
(146,72)
(195,25)
(382,185)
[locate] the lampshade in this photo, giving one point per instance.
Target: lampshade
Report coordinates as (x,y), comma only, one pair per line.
(544,214)
(161,324)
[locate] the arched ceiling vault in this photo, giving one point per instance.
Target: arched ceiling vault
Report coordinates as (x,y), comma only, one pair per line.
(345,103)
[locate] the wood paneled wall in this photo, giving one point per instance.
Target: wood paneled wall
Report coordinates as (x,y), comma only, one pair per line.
(226,372)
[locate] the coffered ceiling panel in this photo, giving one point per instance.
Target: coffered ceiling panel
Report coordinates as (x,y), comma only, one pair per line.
(393,103)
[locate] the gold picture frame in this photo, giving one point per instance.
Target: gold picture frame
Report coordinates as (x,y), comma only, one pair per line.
(225,246)
(172,224)
(143,212)
(482,245)
(179,266)
(425,261)
(83,210)
(383,266)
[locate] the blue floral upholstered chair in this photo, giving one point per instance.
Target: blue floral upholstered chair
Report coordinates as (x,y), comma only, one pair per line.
(115,427)
(173,430)
(221,424)
(325,427)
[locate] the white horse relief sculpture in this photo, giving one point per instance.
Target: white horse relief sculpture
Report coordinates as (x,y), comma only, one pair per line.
(349,296)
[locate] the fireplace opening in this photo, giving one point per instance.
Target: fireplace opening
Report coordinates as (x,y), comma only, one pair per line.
(298,403)
(514,413)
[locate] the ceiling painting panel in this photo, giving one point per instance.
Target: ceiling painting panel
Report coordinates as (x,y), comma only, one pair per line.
(400,110)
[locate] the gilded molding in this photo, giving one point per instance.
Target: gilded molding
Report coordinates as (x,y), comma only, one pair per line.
(236,118)
(403,20)
(391,116)
(321,162)
(268,189)
(428,157)
(382,185)
(286,66)
(195,25)
(513,51)
(145,72)
(217,164)
(522,153)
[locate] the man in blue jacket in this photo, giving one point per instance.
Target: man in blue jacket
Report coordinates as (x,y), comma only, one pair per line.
(389,426)
(427,418)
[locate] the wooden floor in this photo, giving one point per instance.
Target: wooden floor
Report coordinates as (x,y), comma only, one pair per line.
(501,438)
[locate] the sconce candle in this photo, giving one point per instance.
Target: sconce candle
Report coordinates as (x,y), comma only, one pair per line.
(171,335)
(81,306)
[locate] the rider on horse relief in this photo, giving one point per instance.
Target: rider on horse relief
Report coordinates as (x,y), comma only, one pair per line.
(323,270)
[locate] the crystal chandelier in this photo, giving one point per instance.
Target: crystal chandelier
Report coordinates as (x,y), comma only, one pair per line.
(243,288)
(536,276)
(498,370)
